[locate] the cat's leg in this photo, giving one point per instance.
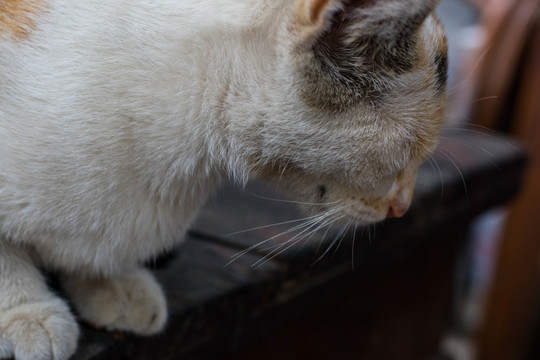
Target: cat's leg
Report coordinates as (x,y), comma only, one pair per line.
(34,323)
(132,301)
(6,348)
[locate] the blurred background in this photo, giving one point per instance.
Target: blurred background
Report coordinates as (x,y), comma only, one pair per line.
(494,85)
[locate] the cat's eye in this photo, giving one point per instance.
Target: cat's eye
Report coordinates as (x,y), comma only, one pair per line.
(322,191)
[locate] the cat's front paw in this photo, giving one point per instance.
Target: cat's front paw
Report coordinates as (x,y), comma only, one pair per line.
(132,302)
(38,331)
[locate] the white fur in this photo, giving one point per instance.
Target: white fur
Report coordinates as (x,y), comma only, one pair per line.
(126,145)
(34,323)
(118,119)
(132,301)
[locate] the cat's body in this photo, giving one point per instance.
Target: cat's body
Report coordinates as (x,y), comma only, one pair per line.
(108,135)
(118,119)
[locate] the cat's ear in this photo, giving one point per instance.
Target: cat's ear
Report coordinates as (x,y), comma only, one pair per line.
(357,35)
(384,16)
(314,16)
(313,12)
(380,18)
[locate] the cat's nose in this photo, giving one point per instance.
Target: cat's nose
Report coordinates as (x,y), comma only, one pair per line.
(396,211)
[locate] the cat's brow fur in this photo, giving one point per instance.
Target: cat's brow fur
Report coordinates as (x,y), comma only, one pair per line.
(118,118)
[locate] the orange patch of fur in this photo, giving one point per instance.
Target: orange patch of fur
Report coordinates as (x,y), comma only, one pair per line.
(17,17)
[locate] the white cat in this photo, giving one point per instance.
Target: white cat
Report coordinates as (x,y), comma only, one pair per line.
(119,117)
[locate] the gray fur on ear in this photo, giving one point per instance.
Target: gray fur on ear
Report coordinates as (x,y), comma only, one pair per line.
(367,42)
(379,34)
(359,50)
(387,16)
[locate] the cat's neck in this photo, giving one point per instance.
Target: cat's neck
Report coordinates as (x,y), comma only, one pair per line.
(208,98)
(169,88)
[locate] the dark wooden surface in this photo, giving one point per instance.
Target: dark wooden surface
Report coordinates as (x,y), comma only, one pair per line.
(266,296)
(398,313)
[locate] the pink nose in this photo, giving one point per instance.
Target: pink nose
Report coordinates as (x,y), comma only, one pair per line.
(396,211)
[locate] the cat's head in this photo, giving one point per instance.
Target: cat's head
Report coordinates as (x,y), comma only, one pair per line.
(359,98)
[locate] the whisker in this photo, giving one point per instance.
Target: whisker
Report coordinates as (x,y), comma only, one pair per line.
(341,240)
(323,237)
(253,247)
(296,202)
(275,253)
(283,172)
(471,71)
(482,99)
(327,224)
(478,132)
(272,225)
(291,242)
(459,171)
(454,156)
(278,250)
(431,160)
(336,238)
(353,242)
(476,147)
(304,227)
(485,128)
(310,223)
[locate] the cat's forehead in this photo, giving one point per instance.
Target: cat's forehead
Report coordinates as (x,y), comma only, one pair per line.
(17,18)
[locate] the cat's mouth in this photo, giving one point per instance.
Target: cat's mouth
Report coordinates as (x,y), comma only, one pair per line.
(347,205)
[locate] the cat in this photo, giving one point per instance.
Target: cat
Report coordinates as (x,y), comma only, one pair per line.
(118,118)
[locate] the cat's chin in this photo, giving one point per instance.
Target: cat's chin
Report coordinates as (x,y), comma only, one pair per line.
(360,220)
(346,217)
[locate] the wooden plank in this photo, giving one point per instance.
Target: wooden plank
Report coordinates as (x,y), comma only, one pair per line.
(398,313)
